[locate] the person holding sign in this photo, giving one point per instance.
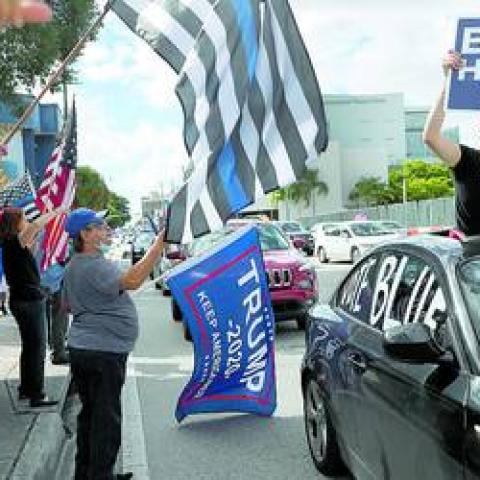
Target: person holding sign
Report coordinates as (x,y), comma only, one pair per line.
(463,160)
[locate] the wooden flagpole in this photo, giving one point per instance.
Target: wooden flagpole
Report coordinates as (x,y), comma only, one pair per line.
(52,79)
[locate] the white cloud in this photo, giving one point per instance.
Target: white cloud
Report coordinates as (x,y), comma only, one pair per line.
(133,161)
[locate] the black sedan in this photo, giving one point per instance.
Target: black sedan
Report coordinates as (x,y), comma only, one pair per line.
(391,373)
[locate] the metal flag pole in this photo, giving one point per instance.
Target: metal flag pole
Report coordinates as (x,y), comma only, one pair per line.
(53,78)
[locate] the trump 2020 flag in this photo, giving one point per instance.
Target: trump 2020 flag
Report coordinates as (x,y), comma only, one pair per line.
(225,302)
(253,110)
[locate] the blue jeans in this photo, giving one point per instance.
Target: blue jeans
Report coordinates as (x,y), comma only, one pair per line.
(99,378)
(30,318)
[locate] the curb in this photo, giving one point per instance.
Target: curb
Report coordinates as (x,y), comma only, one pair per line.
(40,456)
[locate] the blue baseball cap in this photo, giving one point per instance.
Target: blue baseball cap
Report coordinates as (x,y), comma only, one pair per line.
(81,218)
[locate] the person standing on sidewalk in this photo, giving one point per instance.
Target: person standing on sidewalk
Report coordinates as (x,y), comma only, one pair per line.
(463,160)
(51,280)
(27,300)
(102,334)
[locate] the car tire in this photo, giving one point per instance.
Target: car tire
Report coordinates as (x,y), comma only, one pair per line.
(166,292)
(322,255)
(355,254)
(321,436)
(186,333)
(158,285)
(176,312)
(302,322)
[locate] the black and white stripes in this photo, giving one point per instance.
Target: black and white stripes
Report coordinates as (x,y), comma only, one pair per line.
(253,110)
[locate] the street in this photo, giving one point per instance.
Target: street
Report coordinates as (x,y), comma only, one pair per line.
(220,446)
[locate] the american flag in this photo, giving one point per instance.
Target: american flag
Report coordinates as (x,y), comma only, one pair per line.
(58,190)
(21,193)
(253,110)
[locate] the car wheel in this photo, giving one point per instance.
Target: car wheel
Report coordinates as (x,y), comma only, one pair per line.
(166,292)
(322,256)
(176,312)
(355,254)
(158,285)
(321,437)
(301,322)
(186,333)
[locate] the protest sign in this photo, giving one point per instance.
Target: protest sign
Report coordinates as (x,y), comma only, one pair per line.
(224,299)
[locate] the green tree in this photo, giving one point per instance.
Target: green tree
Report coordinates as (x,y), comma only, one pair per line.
(302,190)
(369,191)
(28,54)
(423,181)
(92,192)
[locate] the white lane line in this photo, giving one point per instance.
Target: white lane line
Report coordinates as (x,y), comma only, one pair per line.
(134,453)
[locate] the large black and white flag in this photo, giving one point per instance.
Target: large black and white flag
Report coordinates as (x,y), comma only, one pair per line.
(253,110)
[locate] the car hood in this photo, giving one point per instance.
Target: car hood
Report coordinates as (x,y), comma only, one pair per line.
(282,258)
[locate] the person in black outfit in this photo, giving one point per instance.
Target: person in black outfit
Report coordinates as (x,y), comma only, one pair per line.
(27,302)
(463,160)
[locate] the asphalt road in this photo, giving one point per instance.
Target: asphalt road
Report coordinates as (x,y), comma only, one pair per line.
(220,446)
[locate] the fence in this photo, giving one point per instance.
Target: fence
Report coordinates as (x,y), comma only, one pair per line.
(439,211)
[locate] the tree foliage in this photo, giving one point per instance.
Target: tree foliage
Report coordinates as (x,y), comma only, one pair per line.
(302,190)
(92,192)
(28,54)
(423,181)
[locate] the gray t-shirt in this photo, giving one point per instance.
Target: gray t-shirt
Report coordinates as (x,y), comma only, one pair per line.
(104,317)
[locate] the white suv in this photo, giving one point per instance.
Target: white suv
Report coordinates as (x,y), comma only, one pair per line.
(348,241)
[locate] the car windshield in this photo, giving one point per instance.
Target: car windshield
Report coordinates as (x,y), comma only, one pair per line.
(368,229)
(390,226)
(469,279)
(271,238)
(292,227)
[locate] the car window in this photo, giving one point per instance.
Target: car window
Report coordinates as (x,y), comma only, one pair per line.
(334,232)
(271,238)
(407,290)
(368,229)
(469,276)
(355,295)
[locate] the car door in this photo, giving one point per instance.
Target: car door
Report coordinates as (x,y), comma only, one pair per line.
(331,243)
(352,304)
(410,415)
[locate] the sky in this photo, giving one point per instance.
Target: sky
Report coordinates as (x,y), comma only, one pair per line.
(130,121)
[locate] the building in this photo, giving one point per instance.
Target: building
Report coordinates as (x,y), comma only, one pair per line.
(31,147)
(154,205)
(415,118)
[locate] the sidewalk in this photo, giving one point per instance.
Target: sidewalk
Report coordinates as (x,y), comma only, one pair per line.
(30,439)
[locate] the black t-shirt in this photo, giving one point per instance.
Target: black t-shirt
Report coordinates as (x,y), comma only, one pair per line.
(467,188)
(21,271)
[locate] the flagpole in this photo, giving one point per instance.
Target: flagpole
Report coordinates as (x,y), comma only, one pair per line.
(53,78)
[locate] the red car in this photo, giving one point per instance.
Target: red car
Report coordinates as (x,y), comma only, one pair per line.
(291,277)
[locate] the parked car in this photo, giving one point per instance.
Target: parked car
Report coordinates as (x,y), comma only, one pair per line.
(301,238)
(172,256)
(391,372)
(140,244)
(348,241)
(393,227)
(291,277)
(318,232)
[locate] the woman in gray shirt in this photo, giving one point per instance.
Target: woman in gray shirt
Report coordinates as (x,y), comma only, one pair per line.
(103,332)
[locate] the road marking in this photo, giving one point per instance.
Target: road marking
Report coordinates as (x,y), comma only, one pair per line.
(134,454)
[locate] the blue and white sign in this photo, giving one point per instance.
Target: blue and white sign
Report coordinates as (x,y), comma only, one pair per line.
(225,301)
(464,91)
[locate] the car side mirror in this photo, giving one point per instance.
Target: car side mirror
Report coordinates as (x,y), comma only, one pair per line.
(412,342)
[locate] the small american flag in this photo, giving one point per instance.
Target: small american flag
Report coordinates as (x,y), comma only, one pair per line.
(21,193)
(58,190)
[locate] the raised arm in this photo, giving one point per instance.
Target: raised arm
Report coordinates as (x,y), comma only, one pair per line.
(29,233)
(446,150)
(138,273)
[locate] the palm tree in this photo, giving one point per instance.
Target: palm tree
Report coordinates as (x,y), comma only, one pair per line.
(303,189)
